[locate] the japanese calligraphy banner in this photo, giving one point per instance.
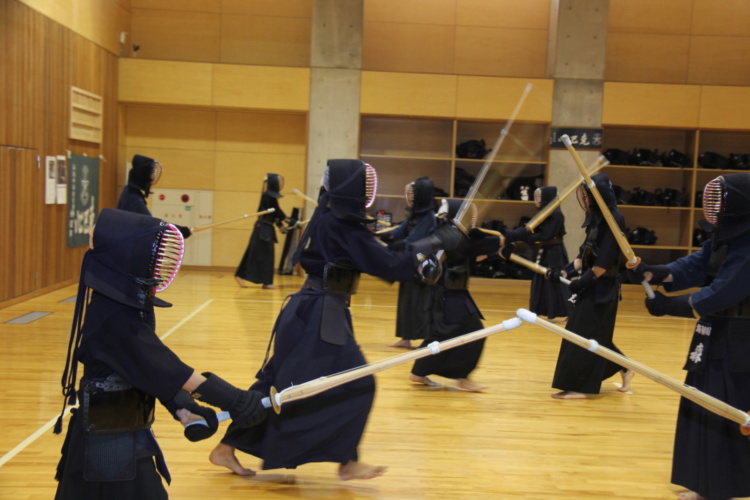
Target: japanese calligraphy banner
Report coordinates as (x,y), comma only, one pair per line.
(83,198)
(581,138)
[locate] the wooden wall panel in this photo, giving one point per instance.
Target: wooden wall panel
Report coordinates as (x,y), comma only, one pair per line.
(176,35)
(529,14)
(261,132)
(165,82)
(698,42)
(408,94)
(154,128)
(725,108)
(41,60)
(265,40)
(258,33)
(725,18)
(642,57)
(501,52)
(261,87)
(666,17)
(719,60)
(287,8)
(7,179)
(246,171)
(99,21)
(179,5)
(494,98)
(408,47)
(644,105)
(413,11)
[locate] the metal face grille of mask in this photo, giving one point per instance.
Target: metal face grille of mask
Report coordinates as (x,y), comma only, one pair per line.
(713,200)
(584,198)
(167,257)
(371,185)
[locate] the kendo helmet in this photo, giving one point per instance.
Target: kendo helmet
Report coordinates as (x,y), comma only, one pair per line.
(145,172)
(543,195)
(133,257)
(351,186)
(274,183)
(726,205)
(420,195)
(587,201)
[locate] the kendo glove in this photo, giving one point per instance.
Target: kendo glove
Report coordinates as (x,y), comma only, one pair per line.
(662,305)
(554,274)
(244,407)
(196,431)
(517,234)
(585,281)
(507,250)
(430,270)
(446,237)
(658,273)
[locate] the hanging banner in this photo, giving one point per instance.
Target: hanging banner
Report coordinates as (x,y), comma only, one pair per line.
(61,180)
(83,198)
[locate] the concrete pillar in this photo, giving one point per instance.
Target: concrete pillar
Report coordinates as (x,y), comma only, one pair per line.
(336,63)
(578,42)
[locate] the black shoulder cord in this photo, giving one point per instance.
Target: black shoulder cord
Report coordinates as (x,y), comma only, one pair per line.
(69,376)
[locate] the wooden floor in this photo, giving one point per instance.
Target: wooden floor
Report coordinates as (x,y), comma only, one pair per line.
(511,442)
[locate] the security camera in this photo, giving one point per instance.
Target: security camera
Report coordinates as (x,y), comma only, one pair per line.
(136,47)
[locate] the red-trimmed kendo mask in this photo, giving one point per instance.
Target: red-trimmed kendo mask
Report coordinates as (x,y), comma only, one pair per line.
(350,187)
(726,205)
(133,257)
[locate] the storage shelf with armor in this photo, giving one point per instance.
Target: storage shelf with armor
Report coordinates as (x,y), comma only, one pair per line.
(451,153)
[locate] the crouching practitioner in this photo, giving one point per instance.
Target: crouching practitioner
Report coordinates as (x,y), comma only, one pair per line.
(313,334)
(711,456)
(110,452)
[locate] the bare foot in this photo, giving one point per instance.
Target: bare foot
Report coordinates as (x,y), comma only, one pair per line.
(359,470)
(240,281)
(223,455)
(423,380)
(470,385)
(269,287)
(689,495)
(569,395)
(627,376)
(402,343)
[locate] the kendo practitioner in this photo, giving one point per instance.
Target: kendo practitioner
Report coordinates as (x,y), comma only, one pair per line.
(144,173)
(313,335)
(711,457)
(597,293)
(110,452)
(413,311)
(256,265)
(547,298)
(453,311)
